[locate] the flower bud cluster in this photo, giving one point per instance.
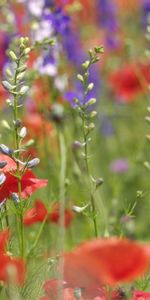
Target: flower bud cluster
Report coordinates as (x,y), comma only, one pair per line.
(85,108)
(14,83)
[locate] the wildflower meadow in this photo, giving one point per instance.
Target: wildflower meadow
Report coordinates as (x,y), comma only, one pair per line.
(74,149)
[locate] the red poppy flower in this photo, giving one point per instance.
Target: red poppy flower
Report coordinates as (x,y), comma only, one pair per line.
(10,163)
(12,269)
(36,214)
(29,184)
(39,212)
(55,214)
(129,81)
(105,261)
(140,295)
(4,237)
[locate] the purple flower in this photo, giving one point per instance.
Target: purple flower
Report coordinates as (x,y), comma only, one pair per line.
(107,19)
(62,26)
(106,15)
(145,6)
(119,165)
(78,91)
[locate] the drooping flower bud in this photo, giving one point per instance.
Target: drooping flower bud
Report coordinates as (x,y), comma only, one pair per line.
(5,150)
(33,162)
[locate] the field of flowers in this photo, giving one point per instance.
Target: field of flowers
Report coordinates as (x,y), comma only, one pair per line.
(74,149)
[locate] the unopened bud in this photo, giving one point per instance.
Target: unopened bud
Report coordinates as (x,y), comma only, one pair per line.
(12,55)
(5,150)
(21,75)
(8,72)
(86,64)
(91,126)
(90,102)
(93,114)
(27,51)
(90,86)
(23,89)
(23,132)
(80,77)
(33,163)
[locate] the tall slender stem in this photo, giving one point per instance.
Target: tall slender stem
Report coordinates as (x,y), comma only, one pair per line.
(61,211)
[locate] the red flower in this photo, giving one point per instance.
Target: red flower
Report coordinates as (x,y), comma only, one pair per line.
(36,214)
(55,214)
(29,184)
(4,237)
(129,81)
(11,269)
(10,163)
(140,295)
(39,212)
(105,261)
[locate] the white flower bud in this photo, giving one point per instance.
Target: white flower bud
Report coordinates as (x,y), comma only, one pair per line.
(80,77)
(23,89)
(12,55)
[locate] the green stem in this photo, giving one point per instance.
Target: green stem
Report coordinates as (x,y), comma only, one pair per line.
(61,234)
(37,237)
(1,217)
(6,215)
(92,199)
(20,214)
